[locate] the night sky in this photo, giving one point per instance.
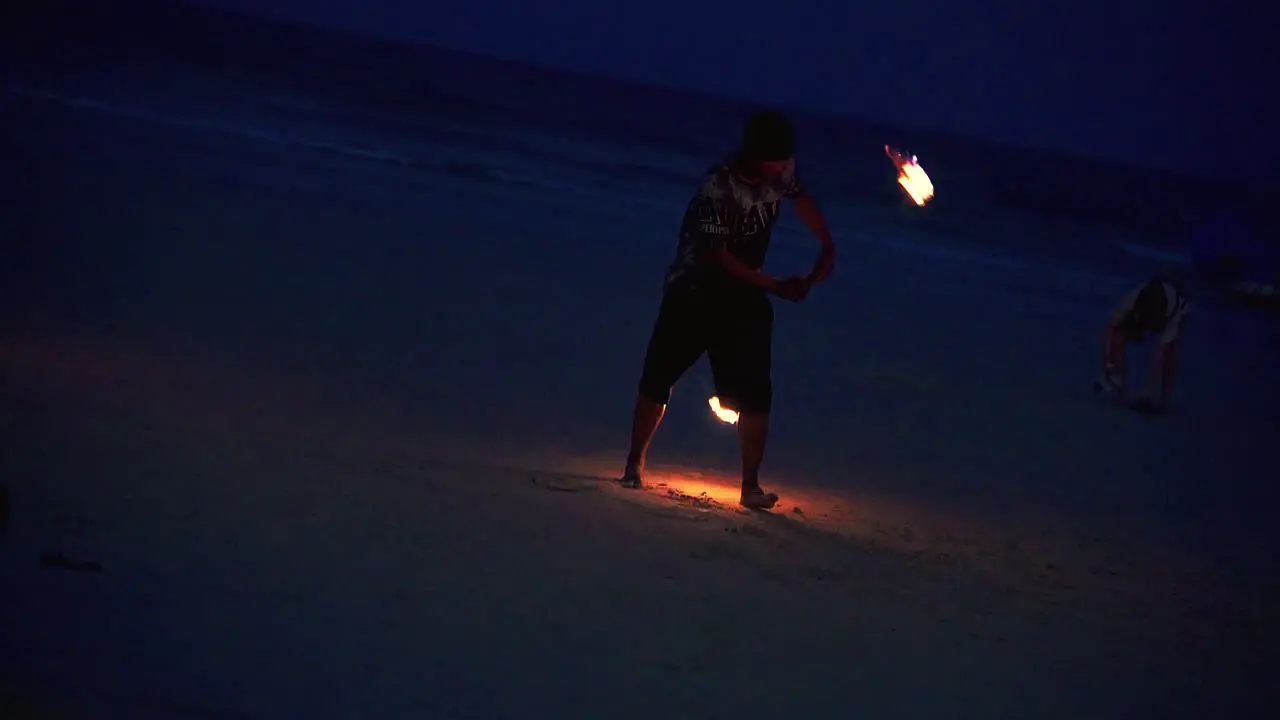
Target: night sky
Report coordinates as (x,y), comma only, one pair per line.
(1157,83)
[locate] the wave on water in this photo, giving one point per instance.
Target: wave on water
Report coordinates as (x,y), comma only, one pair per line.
(257,133)
(1162,255)
(603,173)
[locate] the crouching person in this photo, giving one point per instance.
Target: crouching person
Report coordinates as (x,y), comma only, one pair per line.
(1158,307)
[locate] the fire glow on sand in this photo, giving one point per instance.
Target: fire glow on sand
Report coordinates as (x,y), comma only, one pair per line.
(702,490)
(725,414)
(911,176)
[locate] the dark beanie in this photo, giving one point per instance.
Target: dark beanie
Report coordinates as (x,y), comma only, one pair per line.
(768,137)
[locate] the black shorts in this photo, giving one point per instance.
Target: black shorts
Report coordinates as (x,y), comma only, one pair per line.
(734,329)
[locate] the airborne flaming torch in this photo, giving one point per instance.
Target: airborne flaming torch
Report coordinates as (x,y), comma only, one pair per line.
(911,176)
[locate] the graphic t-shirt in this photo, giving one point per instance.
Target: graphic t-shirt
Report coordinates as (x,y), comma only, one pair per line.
(733,212)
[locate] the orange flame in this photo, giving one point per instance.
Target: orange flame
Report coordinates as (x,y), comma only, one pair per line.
(725,414)
(911,176)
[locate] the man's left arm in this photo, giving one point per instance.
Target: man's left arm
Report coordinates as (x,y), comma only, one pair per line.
(812,216)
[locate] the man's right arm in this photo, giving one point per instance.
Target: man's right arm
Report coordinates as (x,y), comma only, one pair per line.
(1113,343)
(1111,336)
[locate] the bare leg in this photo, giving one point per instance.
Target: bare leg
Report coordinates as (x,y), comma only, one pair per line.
(1166,369)
(753,433)
(1113,353)
(1113,346)
(644,423)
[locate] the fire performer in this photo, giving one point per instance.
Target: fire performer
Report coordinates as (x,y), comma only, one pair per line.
(1159,306)
(715,299)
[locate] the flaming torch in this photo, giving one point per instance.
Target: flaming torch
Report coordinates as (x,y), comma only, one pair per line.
(911,176)
(723,413)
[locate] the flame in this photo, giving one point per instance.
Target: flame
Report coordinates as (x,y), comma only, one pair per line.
(725,414)
(911,176)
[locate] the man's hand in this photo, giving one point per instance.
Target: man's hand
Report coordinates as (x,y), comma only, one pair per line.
(1110,383)
(793,288)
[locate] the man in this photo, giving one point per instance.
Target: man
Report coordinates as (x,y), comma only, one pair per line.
(715,298)
(1159,306)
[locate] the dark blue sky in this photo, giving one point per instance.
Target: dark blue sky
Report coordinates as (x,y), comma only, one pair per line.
(1149,82)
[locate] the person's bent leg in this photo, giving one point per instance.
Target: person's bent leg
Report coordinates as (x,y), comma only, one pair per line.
(1112,379)
(644,423)
(753,435)
(1169,355)
(675,345)
(742,369)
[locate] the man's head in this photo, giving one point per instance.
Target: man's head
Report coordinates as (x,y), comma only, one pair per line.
(768,143)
